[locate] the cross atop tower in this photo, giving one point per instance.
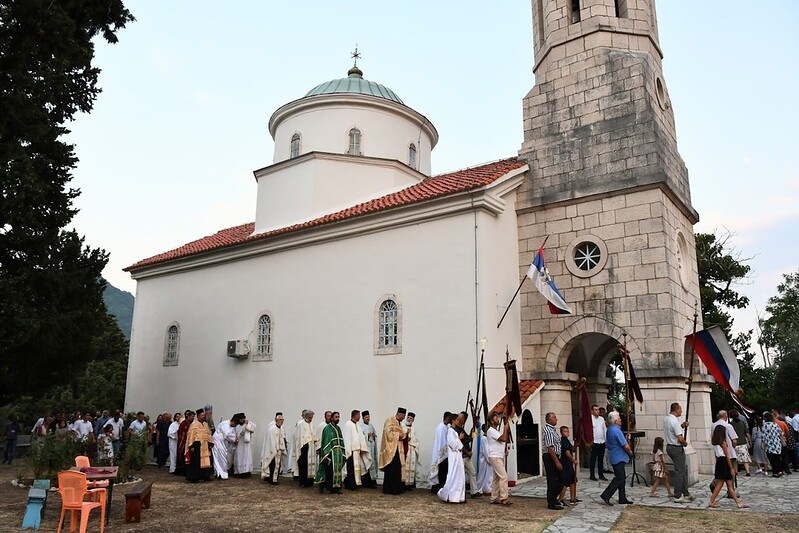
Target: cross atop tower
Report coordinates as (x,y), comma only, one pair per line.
(355,55)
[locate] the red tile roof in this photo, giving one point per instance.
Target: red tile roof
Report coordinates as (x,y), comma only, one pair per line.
(526,389)
(428,189)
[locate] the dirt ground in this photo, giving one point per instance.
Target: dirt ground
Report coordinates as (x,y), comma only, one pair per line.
(244,505)
(637,518)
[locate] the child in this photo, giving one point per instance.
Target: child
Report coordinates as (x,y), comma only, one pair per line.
(105,446)
(660,468)
(569,462)
(724,470)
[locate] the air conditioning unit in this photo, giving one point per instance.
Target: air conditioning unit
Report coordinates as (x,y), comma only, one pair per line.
(238,349)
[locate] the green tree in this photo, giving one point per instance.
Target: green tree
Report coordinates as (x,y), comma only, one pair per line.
(781,332)
(51,307)
(781,328)
(721,271)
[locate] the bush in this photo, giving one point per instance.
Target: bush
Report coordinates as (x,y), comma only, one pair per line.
(50,456)
(131,457)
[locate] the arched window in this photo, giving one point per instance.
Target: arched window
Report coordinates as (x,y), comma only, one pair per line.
(355,142)
(389,334)
(295,146)
(263,345)
(412,156)
(172,345)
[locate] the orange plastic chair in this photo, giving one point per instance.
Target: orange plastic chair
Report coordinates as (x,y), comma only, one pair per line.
(73,489)
(82,461)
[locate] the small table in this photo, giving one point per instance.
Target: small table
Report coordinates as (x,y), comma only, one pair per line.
(100,473)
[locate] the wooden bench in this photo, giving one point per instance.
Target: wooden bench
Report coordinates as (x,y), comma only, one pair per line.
(137,498)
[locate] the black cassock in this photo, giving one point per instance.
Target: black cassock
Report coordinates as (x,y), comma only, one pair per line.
(392,475)
(193,470)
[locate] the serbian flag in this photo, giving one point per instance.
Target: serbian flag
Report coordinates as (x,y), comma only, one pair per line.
(715,352)
(543,282)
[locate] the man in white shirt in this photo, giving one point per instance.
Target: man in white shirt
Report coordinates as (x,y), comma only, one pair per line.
(84,428)
(598,447)
(354,445)
(496,458)
(138,426)
(675,447)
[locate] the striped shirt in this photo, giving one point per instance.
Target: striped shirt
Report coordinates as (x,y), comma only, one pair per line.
(551,438)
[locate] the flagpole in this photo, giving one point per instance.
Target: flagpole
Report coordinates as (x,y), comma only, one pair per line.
(518,289)
(691,372)
(626,362)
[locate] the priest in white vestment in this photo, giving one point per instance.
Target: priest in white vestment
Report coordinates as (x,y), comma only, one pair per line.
(274,451)
(291,461)
(355,451)
(305,446)
(242,457)
(225,437)
(439,462)
(370,433)
(454,490)
(411,451)
(172,435)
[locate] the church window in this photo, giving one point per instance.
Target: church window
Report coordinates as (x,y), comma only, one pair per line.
(295,146)
(412,156)
(621,8)
(355,142)
(575,11)
(587,256)
(172,345)
(388,325)
(263,340)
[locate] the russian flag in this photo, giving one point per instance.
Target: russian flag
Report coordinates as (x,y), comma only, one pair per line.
(543,282)
(715,352)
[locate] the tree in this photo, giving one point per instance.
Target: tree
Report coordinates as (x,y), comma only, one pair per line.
(781,329)
(51,304)
(721,270)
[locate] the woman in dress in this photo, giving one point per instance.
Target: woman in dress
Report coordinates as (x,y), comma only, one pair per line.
(758,450)
(724,470)
(773,441)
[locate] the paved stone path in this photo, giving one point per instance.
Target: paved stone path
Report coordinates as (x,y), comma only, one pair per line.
(762,494)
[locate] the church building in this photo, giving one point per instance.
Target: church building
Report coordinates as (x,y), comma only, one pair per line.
(365,282)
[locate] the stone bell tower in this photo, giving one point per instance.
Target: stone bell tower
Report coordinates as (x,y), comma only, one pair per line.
(608,187)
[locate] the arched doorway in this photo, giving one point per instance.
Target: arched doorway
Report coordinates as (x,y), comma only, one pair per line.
(527,447)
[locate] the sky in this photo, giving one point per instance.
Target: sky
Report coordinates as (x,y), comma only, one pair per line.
(167,154)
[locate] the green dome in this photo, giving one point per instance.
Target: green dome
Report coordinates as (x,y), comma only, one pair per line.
(354,83)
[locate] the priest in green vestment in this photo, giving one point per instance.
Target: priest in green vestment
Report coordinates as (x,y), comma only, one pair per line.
(331,463)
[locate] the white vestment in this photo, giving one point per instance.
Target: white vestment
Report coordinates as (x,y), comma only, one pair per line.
(224,439)
(485,472)
(290,461)
(439,452)
(371,444)
(304,434)
(172,433)
(412,459)
(242,458)
(355,446)
(454,490)
(274,448)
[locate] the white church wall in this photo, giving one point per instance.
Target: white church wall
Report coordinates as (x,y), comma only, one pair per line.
(384,133)
(323,184)
(323,302)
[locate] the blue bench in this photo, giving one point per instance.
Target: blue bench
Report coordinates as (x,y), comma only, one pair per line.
(37,502)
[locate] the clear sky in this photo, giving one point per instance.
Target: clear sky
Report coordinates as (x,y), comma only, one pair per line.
(167,154)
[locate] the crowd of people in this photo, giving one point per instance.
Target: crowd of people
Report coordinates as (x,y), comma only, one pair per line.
(332,456)
(768,441)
